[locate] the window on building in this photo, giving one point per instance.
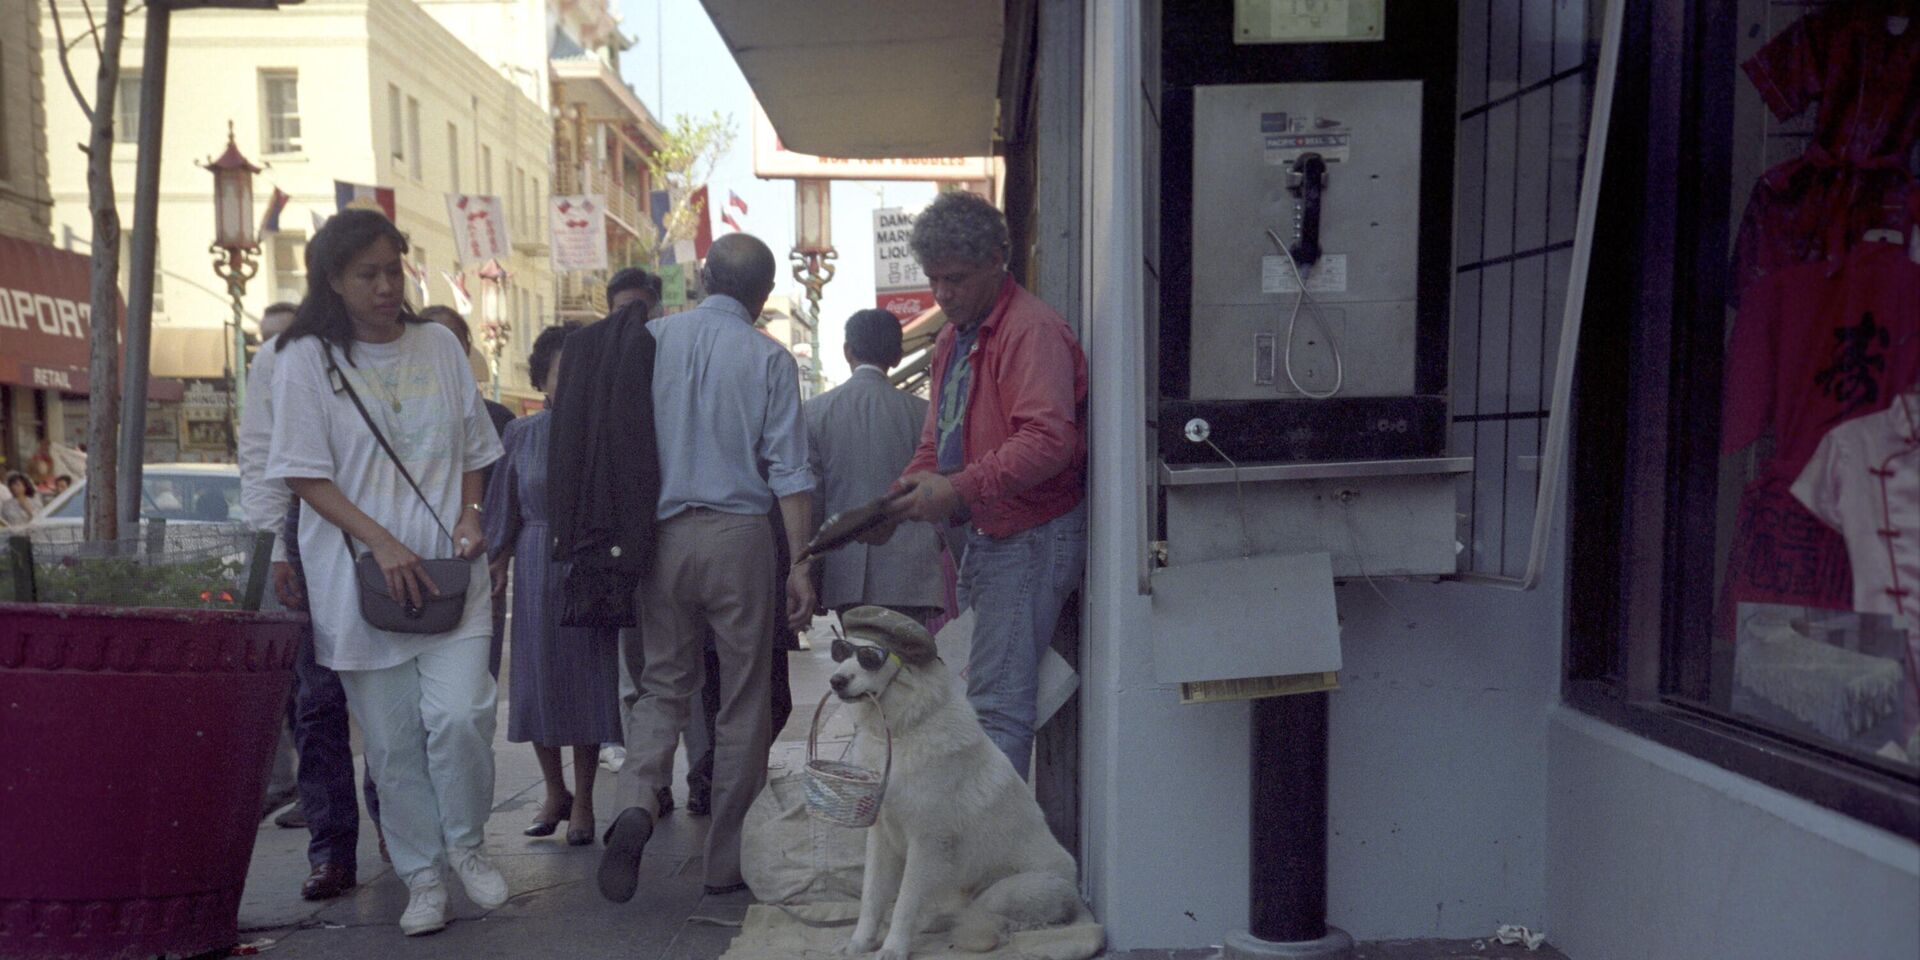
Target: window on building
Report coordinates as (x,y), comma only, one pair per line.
(513,203)
(486,171)
(1748,450)
(126,109)
(413,135)
(6,157)
(289,266)
(396,126)
(540,201)
(453,156)
(280,92)
(520,196)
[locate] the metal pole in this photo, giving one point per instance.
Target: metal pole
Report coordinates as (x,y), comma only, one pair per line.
(146,210)
(1287,889)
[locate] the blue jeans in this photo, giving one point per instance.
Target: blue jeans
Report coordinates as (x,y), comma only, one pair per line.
(325,778)
(1017,586)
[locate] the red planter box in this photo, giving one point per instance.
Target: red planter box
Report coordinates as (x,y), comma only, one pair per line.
(134,745)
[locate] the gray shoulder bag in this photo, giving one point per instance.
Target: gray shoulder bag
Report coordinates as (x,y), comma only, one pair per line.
(382,610)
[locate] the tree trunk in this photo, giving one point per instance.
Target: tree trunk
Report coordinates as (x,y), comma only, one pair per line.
(103,374)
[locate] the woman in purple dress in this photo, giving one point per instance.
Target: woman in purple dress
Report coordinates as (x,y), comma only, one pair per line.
(563,682)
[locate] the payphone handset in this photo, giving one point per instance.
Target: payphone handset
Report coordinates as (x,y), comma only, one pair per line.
(1307,182)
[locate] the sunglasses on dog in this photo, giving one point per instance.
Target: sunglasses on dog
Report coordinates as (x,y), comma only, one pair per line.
(870,657)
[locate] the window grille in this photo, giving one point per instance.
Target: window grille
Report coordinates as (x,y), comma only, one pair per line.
(1524,99)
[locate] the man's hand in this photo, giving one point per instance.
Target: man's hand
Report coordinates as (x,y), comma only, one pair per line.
(497,572)
(469,539)
(929,498)
(286,586)
(800,597)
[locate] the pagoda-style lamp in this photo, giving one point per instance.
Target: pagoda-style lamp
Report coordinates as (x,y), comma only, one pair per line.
(235,253)
(813,252)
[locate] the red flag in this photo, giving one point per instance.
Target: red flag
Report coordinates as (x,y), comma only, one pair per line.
(703,225)
(726,217)
(734,201)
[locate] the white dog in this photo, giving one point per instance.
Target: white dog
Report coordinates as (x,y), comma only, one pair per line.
(960,844)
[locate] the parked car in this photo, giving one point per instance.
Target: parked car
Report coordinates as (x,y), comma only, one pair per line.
(177,492)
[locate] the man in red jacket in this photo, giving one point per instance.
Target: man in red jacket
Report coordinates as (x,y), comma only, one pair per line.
(1002,459)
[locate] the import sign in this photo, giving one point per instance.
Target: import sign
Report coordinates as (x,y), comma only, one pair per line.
(901,288)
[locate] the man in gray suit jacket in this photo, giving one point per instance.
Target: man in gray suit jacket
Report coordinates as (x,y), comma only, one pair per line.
(860,436)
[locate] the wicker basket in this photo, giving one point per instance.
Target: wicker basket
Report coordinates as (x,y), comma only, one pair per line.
(845,793)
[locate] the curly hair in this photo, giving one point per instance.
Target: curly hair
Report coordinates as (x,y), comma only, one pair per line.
(959,226)
(546,346)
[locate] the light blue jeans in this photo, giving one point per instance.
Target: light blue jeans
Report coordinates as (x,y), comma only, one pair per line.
(1017,586)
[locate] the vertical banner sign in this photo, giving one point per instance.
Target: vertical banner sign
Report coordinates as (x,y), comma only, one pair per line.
(673,285)
(479,228)
(579,225)
(900,287)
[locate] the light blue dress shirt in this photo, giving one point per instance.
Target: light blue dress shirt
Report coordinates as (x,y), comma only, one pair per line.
(726,403)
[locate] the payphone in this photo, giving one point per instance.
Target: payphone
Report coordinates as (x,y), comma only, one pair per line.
(1304,357)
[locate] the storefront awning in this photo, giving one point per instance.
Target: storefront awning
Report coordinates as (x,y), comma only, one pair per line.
(908,78)
(45,315)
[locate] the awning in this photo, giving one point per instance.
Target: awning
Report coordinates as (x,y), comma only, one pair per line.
(844,78)
(45,315)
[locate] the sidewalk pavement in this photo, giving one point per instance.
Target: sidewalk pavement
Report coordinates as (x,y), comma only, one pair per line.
(556,910)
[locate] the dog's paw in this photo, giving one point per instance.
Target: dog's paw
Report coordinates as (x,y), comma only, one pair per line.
(859,946)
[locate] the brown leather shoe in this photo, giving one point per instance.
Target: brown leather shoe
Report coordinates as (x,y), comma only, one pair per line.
(327,881)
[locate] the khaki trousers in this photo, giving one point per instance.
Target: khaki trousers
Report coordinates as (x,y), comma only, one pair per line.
(710,571)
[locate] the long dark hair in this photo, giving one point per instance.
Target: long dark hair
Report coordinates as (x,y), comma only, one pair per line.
(322,313)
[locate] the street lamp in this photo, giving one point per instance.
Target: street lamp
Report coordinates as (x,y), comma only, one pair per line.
(813,251)
(235,252)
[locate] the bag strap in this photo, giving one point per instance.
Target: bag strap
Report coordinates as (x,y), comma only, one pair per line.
(340,375)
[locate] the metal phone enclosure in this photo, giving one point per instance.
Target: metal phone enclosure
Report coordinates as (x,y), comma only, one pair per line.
(1366,284)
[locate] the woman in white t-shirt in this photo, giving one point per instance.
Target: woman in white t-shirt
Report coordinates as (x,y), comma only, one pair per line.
(424,702)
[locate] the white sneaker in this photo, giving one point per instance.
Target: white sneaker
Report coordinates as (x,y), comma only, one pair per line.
(613,758)
(426,908)
(482,880)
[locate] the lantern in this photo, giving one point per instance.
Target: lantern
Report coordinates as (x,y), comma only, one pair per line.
(233,198)
(812,216)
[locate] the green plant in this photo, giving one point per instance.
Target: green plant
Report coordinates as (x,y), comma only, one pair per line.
(134,581)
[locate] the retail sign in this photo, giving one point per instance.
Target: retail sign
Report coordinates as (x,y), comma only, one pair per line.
(673,285)
(579,225)
(773,161)
(479,228)
(45,316)
(900,286)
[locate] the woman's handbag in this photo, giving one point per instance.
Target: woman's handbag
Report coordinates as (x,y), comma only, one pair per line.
(380,608)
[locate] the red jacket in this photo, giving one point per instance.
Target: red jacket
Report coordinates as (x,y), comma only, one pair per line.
(1026,424)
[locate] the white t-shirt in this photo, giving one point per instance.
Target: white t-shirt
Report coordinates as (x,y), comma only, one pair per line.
(420,391)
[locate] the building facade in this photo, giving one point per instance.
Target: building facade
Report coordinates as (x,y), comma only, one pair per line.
(370,92)
(38,350)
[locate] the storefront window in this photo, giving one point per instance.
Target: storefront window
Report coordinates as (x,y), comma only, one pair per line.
(1763,481)
(1816,618)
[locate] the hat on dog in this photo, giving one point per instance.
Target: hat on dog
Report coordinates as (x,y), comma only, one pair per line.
(893,631)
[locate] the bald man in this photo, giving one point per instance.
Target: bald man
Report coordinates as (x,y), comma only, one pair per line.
(726,411)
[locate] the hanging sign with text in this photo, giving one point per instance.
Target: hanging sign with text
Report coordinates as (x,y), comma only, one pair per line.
(899,285)
(479,228)
(579,233)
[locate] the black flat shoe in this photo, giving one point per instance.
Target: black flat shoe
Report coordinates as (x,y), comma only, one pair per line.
(665,799)
(620,864)
(699,804)
(545,828)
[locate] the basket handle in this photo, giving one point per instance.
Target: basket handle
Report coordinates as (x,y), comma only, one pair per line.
(813,734)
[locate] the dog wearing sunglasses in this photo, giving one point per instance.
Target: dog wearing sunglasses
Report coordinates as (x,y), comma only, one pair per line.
(960,846)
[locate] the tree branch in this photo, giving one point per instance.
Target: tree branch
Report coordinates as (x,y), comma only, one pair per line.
(66,67)
(93,28)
